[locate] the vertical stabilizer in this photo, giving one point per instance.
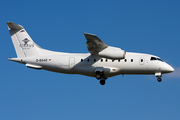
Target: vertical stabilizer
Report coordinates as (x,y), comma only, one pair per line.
(23,44)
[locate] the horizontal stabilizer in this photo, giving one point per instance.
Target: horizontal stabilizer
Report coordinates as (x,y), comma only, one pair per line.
(19,60)
(34,66)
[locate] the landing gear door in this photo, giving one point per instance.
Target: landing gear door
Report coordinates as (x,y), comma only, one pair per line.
(71,62)
(141,61)
(100,69)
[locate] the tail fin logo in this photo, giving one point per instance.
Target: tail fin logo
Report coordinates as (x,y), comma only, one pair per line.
(26,45)
(25,41)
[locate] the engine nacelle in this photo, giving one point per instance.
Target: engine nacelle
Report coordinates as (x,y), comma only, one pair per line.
(112,53)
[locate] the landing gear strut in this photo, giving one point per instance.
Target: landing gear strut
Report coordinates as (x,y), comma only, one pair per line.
(158,75)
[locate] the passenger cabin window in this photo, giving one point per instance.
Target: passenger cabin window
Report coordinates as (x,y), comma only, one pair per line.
(131,60)
(101,60)
(106,60)
(81,60)
(141,60)
(112,60)
(125,60)
(88,60)
(119,60)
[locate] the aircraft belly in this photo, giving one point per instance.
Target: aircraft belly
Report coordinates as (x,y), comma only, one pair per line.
(135,69)
(88,71)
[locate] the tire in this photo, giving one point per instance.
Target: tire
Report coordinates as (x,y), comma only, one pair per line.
(102,82)
(98,75)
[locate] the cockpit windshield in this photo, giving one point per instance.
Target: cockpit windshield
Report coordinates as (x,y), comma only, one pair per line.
(154,58)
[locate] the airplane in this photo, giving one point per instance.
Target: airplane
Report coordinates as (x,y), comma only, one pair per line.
(102,62)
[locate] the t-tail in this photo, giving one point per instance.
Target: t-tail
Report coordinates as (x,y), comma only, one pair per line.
(23,44)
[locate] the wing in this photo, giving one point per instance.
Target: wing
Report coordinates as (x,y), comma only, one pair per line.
(94,44)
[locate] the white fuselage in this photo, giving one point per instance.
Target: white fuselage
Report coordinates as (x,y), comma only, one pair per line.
(87,64)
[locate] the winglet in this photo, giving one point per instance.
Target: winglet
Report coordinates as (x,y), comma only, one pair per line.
(14,26)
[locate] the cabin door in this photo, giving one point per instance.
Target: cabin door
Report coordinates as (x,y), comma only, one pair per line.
(71,62)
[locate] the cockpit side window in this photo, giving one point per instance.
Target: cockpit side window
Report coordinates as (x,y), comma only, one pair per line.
(160,59)
(154,58)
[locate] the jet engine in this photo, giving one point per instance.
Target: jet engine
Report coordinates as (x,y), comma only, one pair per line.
(112,53)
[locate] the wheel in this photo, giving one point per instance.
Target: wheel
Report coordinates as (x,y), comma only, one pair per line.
(99,75)
(159,79)
(102,82)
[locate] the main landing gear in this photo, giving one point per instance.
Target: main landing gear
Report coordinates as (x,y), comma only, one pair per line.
(102,82)
(100,76)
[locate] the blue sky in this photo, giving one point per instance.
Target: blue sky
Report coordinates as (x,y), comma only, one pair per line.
(151,27)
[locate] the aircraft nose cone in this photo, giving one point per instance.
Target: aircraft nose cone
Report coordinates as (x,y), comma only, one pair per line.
(170,69)
(166,68)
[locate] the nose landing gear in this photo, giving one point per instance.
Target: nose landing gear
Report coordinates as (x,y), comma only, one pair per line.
(159,79)
(158,75)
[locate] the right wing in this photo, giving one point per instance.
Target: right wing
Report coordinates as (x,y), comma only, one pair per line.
(98,47)
(94,44)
